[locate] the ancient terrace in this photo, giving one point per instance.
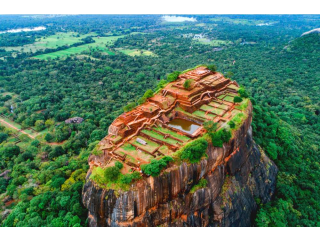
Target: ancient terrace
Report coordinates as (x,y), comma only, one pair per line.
(169,119)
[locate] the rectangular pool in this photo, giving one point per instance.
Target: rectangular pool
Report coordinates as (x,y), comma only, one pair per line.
(184,125)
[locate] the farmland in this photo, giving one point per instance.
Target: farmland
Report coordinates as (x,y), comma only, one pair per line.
(100,44)
(51,42)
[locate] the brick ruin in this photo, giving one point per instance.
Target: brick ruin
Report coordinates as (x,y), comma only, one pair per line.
(146,132)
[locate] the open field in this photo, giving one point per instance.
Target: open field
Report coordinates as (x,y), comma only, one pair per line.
(136,52)
(214,43)
(100,44)
(240,21)
(52,42)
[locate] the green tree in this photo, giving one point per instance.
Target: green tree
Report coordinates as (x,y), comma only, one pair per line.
(210,126)
(194,150)
(212,67)
(3,137)
(237,99)
(173,76)
(188,83)
(111,174)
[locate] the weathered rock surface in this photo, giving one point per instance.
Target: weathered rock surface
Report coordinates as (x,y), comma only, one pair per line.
(238,175)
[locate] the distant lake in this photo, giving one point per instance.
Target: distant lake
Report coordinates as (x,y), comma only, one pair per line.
(24,30)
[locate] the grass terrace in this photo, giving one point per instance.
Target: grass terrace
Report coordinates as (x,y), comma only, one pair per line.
(149,147)
(161,137)
(172,133)
(234,87)
(212,109)
(221,96)
(133,154)
(165,150)
(203,115)
(228,98)
(219,105)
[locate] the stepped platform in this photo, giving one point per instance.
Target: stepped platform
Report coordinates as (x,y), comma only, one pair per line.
(169,119)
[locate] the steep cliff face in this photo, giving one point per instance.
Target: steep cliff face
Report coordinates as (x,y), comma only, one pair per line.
(238,175)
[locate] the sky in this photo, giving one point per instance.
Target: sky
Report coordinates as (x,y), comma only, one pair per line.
(158,7)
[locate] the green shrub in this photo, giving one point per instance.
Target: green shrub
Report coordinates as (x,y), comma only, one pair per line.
(232,124)
(96,151)
(238,119)
(201,184)
(155,166)
(210,126)
(161,84)
(212,67)
(187,83)
(220,137)
(118,165)
(173,76)
(243,93)
(237,99)
(194,150)
(146,95)
(111,174)
(129,177)
(129,107)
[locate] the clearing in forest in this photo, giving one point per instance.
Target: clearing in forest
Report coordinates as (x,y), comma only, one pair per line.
(100,44)
(51,42)
(136,52)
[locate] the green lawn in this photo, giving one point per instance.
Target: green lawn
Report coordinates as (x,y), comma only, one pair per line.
(228,98)
(134,153)
(160,137)
(52,42)
(233,87)
(172,133)
(100,44)
(219,105)
(212,109)
(165,150)
(149,147)
(11,122)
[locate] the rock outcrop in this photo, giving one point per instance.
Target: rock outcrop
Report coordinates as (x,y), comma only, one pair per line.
(239,175)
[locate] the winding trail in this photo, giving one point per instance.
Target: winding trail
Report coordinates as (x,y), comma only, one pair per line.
(19,130)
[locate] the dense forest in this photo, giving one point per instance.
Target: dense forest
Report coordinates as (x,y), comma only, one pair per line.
(43,159)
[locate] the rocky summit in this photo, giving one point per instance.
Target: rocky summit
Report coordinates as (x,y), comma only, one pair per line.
(184,157)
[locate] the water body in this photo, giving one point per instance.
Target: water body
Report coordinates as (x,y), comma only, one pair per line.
(178,19)
(184,125)
(24,30)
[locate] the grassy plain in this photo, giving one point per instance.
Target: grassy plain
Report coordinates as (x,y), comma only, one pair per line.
(100,44)
(136,52)
(240,21)
(51,42)
(214,43)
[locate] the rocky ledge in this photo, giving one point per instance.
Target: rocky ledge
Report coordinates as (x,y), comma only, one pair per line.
(239,175)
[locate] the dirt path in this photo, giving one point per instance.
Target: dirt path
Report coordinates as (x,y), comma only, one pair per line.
(57,143)
(19,130)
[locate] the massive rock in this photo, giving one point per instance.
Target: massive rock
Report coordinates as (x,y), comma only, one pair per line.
(239,175)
